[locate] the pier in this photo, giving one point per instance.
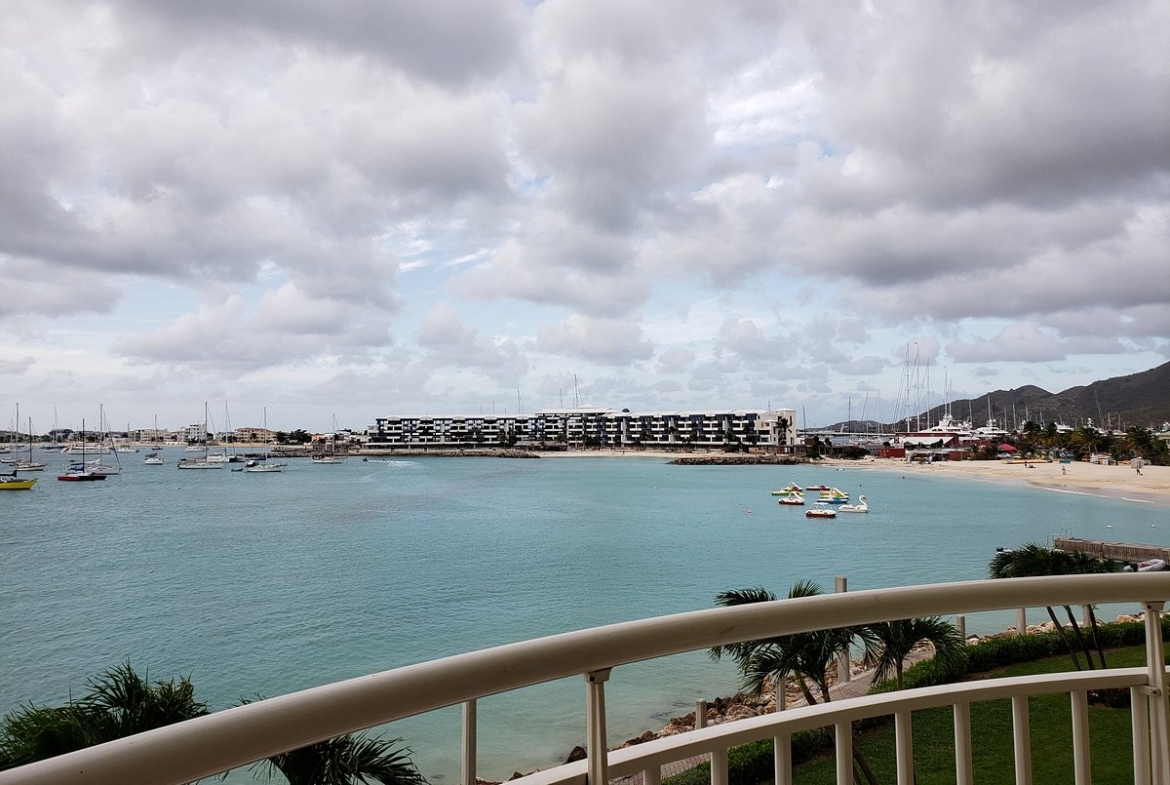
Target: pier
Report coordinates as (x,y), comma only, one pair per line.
(1116,551)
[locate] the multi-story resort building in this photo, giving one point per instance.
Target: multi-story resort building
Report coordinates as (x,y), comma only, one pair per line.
(582,428)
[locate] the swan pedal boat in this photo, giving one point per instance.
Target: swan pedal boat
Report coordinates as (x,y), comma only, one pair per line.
(861,506)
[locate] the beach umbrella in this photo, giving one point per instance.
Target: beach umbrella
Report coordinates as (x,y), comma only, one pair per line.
(1006,448)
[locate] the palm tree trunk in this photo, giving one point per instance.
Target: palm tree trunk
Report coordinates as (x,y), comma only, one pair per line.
(863,764)
(1063,636)
(1096,640)
(805,691)
(1080,636)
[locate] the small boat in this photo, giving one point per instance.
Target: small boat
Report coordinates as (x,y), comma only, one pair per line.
(10,482)
(821,510)
(816,487)
(795,499)
(261,466)
(1150,565)
(833,496)
(788,489)
(205,462)
(861,506)
(153,459)
(78,471)
(97,467)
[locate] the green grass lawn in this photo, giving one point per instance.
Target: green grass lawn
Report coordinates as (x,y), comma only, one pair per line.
(1111,746)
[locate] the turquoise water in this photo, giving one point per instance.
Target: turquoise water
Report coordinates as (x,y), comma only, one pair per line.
(269,583)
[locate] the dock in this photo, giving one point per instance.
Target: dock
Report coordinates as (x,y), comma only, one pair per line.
(1115,551)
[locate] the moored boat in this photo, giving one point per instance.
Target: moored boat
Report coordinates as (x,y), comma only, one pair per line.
(861,506)
(261,466)
(788,489)
(78,471)
(10,482)
(794,499)
(833,496)
(821,510)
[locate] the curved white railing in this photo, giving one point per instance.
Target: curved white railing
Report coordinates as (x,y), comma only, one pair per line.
(228,739)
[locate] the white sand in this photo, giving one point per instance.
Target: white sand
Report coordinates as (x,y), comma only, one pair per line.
(1152,484)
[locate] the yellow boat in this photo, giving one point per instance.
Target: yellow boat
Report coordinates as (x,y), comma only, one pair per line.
(15,483)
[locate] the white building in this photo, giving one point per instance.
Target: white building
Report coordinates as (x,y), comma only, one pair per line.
(583,428)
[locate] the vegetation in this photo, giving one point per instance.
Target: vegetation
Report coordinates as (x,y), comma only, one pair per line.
(121,703)
(1033,439)
(751,764)
(1032,560)
(809,656)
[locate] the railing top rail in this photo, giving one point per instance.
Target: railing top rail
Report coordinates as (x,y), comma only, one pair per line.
(235,737)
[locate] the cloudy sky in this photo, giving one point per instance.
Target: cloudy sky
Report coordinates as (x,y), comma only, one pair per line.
(363,207)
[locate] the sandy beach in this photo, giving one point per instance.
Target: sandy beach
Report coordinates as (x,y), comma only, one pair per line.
(1151,484)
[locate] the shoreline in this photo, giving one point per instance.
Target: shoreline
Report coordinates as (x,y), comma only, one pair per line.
(1150,486)
(1121,481)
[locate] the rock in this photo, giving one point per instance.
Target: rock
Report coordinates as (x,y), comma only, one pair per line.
(577,754)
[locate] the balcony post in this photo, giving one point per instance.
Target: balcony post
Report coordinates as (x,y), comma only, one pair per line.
(1140,709)
(1021,621)
(782,758)
(844,738)
(1080,737)
(700,713)
(904,744)
(595,746)
(1156,691)
(468,773)
(964,770)
(1022,739)
(841,585)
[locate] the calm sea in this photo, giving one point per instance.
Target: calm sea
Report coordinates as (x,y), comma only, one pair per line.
(261,584)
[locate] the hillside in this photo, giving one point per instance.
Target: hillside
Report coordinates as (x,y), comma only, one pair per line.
(1141,399)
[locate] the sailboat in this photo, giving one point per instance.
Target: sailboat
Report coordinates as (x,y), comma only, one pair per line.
(10,482)
(154,457)
(77,472)
(330,455)
(96,466)
(28,465)
(201,463)
(262,465)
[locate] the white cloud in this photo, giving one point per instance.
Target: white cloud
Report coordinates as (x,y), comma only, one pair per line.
(740,201)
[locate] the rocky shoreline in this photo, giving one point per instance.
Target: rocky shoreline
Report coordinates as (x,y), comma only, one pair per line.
(738,459)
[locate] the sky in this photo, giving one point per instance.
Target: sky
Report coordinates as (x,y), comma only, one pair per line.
(297,212)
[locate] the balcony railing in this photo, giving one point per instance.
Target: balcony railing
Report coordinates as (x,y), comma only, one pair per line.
(228,739)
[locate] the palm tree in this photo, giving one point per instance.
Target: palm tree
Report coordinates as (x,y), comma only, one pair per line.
(808,655)
(1032,560)
(346,760)
(119,703)
(896,639)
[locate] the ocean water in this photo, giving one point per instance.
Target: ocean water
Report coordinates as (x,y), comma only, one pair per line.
(262,584)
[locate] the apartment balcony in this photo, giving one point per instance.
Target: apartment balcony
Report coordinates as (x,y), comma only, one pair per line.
(228,739)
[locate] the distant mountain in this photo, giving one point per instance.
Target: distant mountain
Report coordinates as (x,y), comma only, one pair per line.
(1141,399)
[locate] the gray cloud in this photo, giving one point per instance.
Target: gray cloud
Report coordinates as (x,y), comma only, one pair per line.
(807,184)
(604,341)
